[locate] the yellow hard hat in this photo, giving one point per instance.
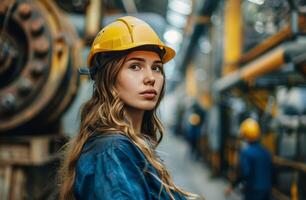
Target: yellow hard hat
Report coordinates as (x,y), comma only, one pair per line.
(250,130)
(127,33)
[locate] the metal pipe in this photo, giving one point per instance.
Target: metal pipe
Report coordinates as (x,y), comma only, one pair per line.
(204,13)
(272,61)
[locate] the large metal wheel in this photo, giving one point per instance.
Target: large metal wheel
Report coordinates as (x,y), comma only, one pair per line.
(39,57)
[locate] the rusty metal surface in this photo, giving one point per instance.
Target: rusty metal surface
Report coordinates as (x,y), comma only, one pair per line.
(39,57)
(29,160)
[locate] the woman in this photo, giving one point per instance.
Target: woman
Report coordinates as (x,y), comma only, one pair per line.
(113,155)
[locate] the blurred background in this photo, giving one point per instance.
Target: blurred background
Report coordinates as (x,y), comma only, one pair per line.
(235,59)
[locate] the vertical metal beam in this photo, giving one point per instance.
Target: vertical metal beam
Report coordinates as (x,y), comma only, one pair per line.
(191,84)
(202,21)
(232,35)
(93,19)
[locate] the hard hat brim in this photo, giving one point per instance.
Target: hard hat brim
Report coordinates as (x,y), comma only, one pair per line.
(169,52)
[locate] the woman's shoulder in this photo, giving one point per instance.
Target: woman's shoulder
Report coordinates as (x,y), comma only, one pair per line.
(98,138)
(112,147)
(113,144)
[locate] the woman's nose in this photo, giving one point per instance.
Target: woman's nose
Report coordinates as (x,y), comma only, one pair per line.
(149,78)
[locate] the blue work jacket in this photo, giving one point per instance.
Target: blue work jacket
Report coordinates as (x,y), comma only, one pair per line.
(256,168)
(111,167)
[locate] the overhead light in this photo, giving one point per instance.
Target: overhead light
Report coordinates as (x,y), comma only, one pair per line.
(181,6)
(173,36)
(258,2)
(176,19)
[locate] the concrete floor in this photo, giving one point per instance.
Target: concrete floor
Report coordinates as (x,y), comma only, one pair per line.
(191,175)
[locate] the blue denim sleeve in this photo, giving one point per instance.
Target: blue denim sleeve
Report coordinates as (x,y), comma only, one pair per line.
(117,175)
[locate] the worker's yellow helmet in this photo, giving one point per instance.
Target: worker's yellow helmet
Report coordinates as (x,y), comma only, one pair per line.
(127,33)
(250,130)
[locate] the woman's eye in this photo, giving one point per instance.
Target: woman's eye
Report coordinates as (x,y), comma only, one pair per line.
(157,68)
(135,67)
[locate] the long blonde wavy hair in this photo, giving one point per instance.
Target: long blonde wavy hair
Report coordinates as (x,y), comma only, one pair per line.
(104,113)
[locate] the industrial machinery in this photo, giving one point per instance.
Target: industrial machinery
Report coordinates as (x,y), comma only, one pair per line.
(40,53)
(252,58)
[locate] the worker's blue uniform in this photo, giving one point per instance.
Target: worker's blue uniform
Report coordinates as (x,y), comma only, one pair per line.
(112,168)
(256,172)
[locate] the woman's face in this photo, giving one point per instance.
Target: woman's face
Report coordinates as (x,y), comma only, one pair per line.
(140,80)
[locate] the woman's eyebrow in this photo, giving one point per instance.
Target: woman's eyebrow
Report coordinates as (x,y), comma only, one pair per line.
(136,58)
(143,60)
(158,62)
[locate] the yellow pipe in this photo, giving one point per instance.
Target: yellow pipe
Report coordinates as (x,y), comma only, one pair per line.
(232,35)
(191,84)
(294,188)
(205,100)
(266,44)
(294,191)
(272,41)
(264,65)
(279,161)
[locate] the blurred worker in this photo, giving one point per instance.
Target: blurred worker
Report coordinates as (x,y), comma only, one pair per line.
(255,165)
(113,156)
(193,127)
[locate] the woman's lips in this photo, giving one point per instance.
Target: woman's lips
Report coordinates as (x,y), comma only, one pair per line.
(148,95)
